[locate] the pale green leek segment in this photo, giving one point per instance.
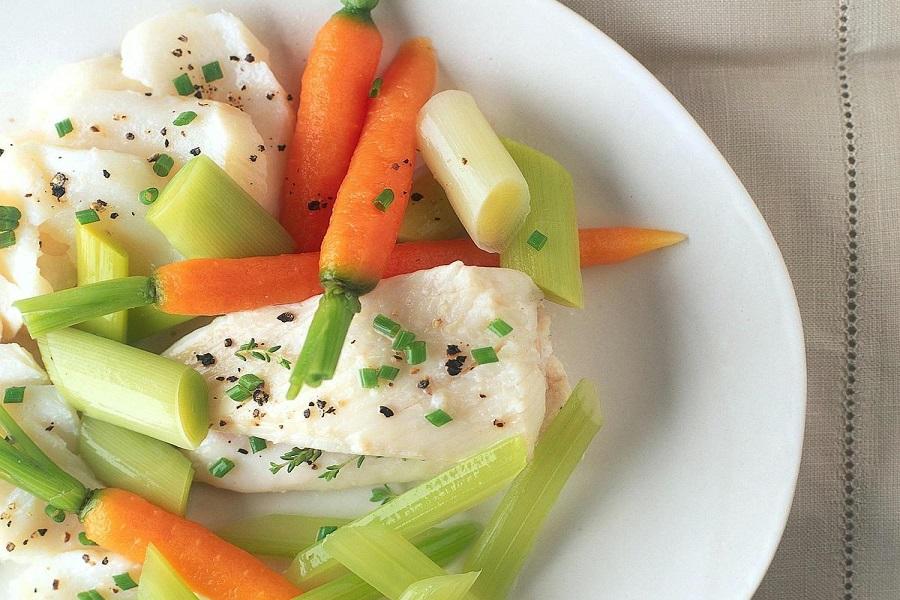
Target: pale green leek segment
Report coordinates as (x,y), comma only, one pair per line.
(205,214)
(160,581)
(459,488)
(381,557)
(277,535)
(510,535)
(100,257)
(556,267)
(429,214)
(131,461)
(128,387)
(446,587)
(145,321)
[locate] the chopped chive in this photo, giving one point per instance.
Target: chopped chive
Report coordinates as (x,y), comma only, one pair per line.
(88,215)
(386,326)
(416,353)
(148,196)
(183,85)
(10,212)
(324,532)
(384,199)
(221,468)
(537,240)
(238,393)
(403,339)
(438,418)
(57,515)
(388,372)
(500,327)
(163,164)
(7,239)
(14,395)
(212,71)
(250,382)
(184,118)
(376,88)
(84,540)
(8,224)
(485,355)
(124,581)
(89,595)
(368,378)
(257,444)
(64,127)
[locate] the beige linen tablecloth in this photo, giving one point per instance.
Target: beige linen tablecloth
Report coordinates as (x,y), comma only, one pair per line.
(803,99)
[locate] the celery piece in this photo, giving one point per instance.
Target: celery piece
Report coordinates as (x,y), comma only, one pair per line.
(129,387)
(440,544)
(509,536)
(144,321)
(277,535)
(445,587)
(459,488)
(159,580)
(205,214)
(484,185)
(429,214)
(131,461)
(99,257)
(552,259)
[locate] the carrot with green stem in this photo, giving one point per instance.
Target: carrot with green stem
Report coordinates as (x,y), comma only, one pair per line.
(368,210)
(334,96)
(125,523)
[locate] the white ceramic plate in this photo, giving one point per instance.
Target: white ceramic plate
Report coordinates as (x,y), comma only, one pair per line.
(698,350)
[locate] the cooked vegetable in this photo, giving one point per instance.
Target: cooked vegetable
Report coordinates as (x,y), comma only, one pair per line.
(334,96)
(446,587)
(483,183)
(205,214)
(429,214)
(99,258)
(129,387)
(440,544)
(360,236)
(160,580)
(618,244)
(459,488)
(381,557)
(144,321)
(509,536)
(137,463)
(277,535)
(546,246)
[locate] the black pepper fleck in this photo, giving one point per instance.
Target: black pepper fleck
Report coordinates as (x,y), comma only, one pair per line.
(231,378)
(313,205)
(129,136)
(270,95)
(95,129)
(177,52)
(106,173)
(285,317)
(455,365)
(453,350)
(498,423)
(253,158)
(182,38)
(385,411)
(206,359)
(114,215)
(228,342)
(249,58)
(234,58)
(423,383)
(10,547)
(195,151)
(306,413)
(281,147)
(58,185)
(220,378)
(242,451)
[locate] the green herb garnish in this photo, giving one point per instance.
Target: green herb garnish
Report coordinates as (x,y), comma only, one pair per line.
(324,531)
(250,382)
(485,355)
(7,239)
(537,240)
(221,468)
(84,540)
(89,595)
(376,88)
(212,71)
(438,418)
(368,378)
(388,372)
(500,327)
(257,444)
(403,339)
(384,199)
(383,494)
(88,215)
(163,164)
(252,349)
(124,581)
(148,196)
(332,471)
(64,127)
(416,352)
(184,118)
(183,85)
(14,395)
(386,326)
(57,515)
(296,457)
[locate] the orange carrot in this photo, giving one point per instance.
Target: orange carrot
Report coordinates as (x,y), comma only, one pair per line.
(618,244)
(125,523)
(334,96)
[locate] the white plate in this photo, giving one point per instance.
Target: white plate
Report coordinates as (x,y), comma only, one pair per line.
(698,349)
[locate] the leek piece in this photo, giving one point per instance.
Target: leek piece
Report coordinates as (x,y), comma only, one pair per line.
(131,461)
(205,214)
(482,181)
(160,581)
(556,266)
(129,387)
(440,544)
(459,488)
(99,257)
(276,535)
(510,534)
(145,321)
(429,214)
(381,557)
(445,587)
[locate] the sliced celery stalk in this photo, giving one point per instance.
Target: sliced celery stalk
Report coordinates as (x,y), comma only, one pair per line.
(556,267)
(429,214)
(205,214)
(129,387)
(100,257)
(277,535)
(440,544)
(381,557)
(131,461)
(159,581)
(509,536)
(446,587)
(459,488)
(144,321)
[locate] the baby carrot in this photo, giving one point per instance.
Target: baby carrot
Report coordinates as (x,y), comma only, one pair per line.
(334,95)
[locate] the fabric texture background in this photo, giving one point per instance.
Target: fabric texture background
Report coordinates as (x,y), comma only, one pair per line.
(803,99)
